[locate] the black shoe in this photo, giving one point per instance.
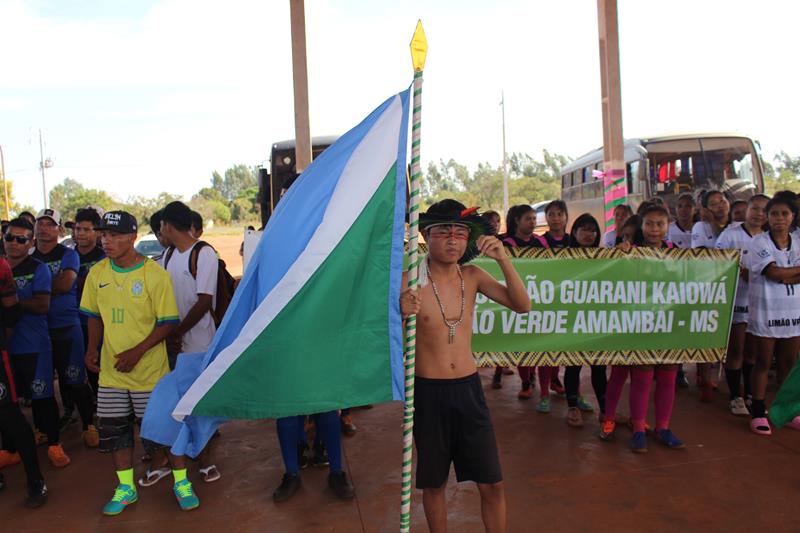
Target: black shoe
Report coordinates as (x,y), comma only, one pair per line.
(302,455)
(341,485)
(497,380)
(37,495)
(289,485)
(681,381)
(320,457)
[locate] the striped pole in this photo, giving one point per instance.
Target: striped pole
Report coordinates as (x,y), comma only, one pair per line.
(614,193)
(419,49)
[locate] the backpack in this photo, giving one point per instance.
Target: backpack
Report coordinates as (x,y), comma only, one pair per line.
(226,284)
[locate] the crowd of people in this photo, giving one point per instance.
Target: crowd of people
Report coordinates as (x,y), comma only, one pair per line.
(105,324)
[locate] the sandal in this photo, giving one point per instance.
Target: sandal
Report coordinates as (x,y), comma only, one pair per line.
(210,473)
(794,424)
(151,477)
(760,426)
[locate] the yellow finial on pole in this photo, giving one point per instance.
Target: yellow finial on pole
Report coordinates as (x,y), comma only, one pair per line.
(419,48)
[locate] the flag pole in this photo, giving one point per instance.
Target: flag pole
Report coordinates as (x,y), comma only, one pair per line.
(419,49)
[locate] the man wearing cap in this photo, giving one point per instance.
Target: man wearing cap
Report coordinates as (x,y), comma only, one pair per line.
(129,301)
(451,421)
(63,321)
(29,345)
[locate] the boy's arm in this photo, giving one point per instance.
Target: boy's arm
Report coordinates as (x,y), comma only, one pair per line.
(95,333)
(513,294)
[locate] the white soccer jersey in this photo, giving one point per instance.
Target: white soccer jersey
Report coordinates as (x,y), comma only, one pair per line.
(738,238)
(703,235)
(679,237)
(774,307)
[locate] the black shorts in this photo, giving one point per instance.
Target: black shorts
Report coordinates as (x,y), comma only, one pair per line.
(452,424)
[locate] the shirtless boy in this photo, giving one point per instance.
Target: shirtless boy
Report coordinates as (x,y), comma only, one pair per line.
(451,421)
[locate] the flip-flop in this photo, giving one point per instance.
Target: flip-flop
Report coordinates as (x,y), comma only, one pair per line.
(210,473)
(795,423)
(760,426)
(151,477)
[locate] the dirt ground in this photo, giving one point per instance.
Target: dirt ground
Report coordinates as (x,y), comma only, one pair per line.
(556,478)
(228,248)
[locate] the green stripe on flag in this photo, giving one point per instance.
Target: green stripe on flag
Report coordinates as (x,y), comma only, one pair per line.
(330,341)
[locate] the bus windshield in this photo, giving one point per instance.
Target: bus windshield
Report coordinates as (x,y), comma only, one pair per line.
(728,164)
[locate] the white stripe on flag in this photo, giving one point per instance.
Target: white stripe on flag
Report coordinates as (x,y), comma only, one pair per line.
(365,170)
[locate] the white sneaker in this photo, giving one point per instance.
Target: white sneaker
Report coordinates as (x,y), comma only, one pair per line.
(738,407)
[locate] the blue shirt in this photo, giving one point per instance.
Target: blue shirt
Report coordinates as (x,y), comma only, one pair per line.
(63,307)
(31,334)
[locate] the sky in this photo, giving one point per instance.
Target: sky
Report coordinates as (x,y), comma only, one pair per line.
(137,97)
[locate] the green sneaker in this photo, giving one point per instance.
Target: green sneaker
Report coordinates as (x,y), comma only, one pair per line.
(544,405)
(185,495)
(124,495)
(584,406)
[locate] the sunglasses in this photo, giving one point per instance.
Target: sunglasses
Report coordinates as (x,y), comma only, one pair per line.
(19,238)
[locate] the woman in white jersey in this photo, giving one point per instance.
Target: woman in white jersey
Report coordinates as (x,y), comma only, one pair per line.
(704,235)
(680,230)
(774,304)
(738,237)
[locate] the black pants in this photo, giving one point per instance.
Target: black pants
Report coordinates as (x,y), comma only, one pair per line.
(45,411)
(572,381)
(79,395)
(18,436)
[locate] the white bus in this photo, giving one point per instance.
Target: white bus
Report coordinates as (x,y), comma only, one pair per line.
(667,167)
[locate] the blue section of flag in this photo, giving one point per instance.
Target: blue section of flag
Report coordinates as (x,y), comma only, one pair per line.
(396,343)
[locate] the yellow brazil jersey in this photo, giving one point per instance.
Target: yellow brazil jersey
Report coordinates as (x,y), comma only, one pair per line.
(130,302)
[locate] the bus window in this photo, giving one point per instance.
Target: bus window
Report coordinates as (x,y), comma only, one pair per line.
(683,165)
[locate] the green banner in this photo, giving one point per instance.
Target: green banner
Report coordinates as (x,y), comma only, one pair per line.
(604,306)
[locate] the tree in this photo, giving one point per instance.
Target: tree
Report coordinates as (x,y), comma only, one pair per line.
(237,178)
(530,181)
(13,206)
(69,196)
(784,176)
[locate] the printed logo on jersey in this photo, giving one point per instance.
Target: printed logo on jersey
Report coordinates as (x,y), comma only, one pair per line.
(763,254)
(137,287)
(3,392)
(55,267)
(73,372)
(23,281)
(38,387)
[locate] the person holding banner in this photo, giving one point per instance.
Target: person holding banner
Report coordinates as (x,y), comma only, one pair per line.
(585,234)
(452,423)
(739,237)
(655,225)
(556,237)
(520,223)
(704,235)
(774,300)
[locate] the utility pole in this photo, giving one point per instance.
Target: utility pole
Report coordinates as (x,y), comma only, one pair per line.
(505,155)
(615,188)
(43,164)
(302,129)
(5,183)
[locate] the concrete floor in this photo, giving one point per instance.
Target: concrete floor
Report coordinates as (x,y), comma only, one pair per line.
(557,479)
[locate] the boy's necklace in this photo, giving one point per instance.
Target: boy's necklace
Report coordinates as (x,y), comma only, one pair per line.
(450,325)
